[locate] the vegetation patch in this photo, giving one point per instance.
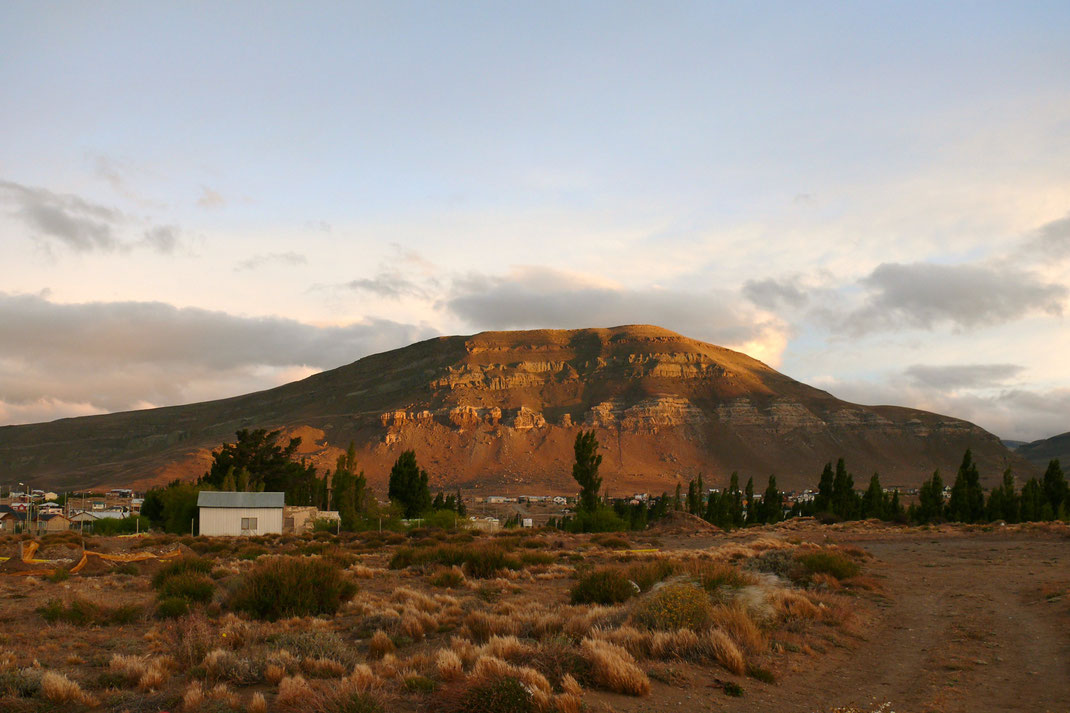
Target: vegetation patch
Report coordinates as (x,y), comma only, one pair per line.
(279,587)
(674,606)
(603,586)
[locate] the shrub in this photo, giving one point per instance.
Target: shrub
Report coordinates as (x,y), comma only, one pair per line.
(191,586)
(614,669)
(830,563)
(172,608)
(612,542)
(717,575)
(291,586)
(20,682)
(478,560)
(675,606)
(182,565)
(502,694)
(451,578)
(537,558)
(60,575)
(315,645)
(647,574)
(79,612)
(604,586)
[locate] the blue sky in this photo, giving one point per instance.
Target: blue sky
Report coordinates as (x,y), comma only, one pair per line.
(872,197)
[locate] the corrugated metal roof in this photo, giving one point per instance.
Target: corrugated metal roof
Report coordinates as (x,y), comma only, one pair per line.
(213,499)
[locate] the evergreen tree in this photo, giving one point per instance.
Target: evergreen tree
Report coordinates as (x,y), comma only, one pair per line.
(823,499)
(677,502)
(931,499)
(439,503)
(873,500)
(1032,501)
(748,493)
(843,492)
(1055,489)
(1009,498)
(772,508)
(735,504)
(462,509)
(967,497)
(267,465)
(408,486)
(895,508)
(585,470)
(692,498)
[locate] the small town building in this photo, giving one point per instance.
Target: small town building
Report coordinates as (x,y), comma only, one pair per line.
(299,519)
(8,518)
(228,513)
(83,520)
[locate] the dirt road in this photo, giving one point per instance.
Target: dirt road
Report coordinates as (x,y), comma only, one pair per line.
(967,627)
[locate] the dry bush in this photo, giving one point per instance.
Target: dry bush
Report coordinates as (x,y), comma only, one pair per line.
(293,690)
(674,606)
(680,644)
(257,704)
(558,659)
(224,665)
(221,693)
(362,572)
(614,669)
(719,647)
(380,645)
(449,665)
(193,698)
(737,623)
(508,648)
(632,640)
(190,638)
(465,650)
(323,668)
(825,582)
(793,608)
(481,626)
(57,688)
(274,673)
(7,660)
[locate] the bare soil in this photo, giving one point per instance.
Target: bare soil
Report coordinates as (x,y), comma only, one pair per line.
(970,621)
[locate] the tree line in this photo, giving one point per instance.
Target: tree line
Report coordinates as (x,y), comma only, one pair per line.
(257,461)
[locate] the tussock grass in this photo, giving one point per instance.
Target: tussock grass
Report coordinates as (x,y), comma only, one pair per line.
(614,669)
(603,586)
(674,606)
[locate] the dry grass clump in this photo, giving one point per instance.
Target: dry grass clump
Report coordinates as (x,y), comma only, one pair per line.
(57,688)
(323,668)
(720,648)
(223,665)
(495,686)
(614,669)
(448,578)
(257,704)
(603,586)
(482,625)
(680,644)
(737,623)
(674,606)
(632,640)
(148,673)
(508,648)
(380,645)
(449,665)
(293,690)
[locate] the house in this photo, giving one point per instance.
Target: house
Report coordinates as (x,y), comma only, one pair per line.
(228,513)
(54,522)
(299,519)
(83,520)
(8,518)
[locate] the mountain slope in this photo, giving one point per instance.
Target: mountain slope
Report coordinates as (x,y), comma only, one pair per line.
(1040,452)
(499,411)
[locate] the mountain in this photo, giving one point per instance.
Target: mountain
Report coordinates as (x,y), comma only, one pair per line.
(498,412)
(1040,452)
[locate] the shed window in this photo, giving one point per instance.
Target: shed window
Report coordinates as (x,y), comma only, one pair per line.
(248,523)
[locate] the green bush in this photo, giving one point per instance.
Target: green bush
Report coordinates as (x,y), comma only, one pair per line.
(601,520)
(450,578)
(604,586)
(647,574)
(182,565)
(496,695)
(78,612)
(172,608)
(20,682)
(832,563)
(478,560)
(60,575)
(675,606)
(191,586)
(280,587)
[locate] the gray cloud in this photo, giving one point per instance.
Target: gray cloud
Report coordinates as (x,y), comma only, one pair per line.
(962,376)
(79,224)
(1053,239)
(535,297)
(76,223)
(392,285)
(772,294)
(258,261)
(210,198)
(120,355)
(928,295)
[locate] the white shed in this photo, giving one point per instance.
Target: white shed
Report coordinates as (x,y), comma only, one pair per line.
(240,513)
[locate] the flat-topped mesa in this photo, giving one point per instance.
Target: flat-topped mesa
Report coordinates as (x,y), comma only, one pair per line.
(502,409)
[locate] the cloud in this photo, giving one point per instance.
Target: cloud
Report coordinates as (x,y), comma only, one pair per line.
(962,376)
(258,261)
(772,294)
(79,224)
(210,198)
(141,353)
(392,285)
(541,297)
(928,295)
(1052,239)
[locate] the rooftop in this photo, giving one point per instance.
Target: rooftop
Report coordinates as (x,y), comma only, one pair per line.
(213,499)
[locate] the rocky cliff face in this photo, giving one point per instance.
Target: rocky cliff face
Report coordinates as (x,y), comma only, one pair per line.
(499,411)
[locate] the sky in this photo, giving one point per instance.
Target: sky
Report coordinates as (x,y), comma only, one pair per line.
(201,199)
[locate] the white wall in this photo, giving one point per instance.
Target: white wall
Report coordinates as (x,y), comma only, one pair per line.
(227,521)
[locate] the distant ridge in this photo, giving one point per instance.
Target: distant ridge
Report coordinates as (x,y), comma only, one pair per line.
(499,411)
(1042,451)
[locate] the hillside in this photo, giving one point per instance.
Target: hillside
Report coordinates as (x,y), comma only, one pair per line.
(499,411)
(1042,451)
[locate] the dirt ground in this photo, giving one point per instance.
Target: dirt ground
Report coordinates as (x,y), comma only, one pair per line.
(969,622)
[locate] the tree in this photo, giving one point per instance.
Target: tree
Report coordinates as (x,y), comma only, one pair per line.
(772,509)
(1032,501)
(348,489)
(873,500)
(735,501)
(823,499)
(843,492)
(462,509)
(931,499)
(585,470)
(967,502)
(752,511)
(256,461)
(408,486)
(1055,489)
